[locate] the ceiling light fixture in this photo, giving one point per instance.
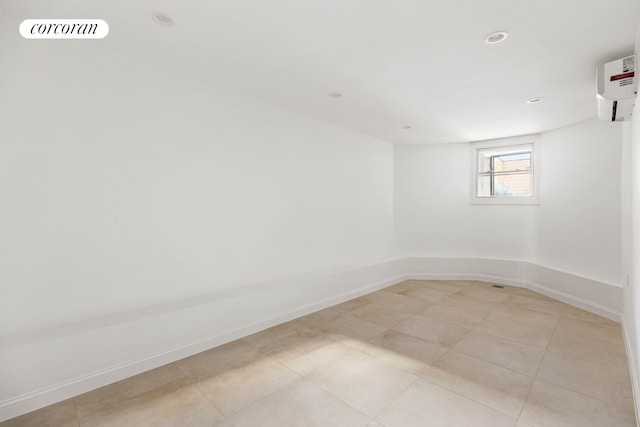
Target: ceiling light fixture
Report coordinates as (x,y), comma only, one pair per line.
(534,100)
(335,95)
(497,37)
(163,19)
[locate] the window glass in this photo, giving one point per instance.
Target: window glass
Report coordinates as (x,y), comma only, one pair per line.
(504,171)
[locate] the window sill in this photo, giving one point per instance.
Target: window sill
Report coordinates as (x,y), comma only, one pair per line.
(505,201)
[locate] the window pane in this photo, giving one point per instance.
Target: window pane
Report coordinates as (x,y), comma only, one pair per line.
(504,170)
(512,162)
(512,185)
(484,186)
(484,161)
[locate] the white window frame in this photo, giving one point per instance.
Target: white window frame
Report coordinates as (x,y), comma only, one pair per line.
(534,199)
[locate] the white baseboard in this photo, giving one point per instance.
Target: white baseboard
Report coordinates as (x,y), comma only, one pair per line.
(172,332)
(584,304)
(580,292)
(342,286)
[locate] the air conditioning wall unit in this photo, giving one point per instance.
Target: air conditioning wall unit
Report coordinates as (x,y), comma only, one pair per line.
(617,89)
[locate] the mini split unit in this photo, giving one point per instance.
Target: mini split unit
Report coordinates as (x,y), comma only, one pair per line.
(617,89)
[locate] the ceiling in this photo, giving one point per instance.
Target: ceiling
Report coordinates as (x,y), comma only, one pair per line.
(408,71)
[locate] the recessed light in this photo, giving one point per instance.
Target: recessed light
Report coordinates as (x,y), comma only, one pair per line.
(534,100)
(497,37)
(335,95)
(163,19)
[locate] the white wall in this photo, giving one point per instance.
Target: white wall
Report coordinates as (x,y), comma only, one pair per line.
(125,186)
(575,229)
(433,215)
(578,223)
(631,243)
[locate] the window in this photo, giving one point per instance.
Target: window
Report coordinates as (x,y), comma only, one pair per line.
(504,172)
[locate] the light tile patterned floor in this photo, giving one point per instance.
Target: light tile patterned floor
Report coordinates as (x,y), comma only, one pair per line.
(420,353)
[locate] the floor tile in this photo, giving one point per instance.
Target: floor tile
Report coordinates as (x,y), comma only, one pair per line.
(393,301)
(524,333)
(403,286)
(472,303)
(183,407)
(272,334)
(234,377)
(349,305)
(431,330)
(535,318)
(362,381)
(490,294)
(444,286)
(499,351)
(454,313)
(320,317)
(596,378)
(535,304)
(218,360)
(499,388)
(163,396)
(575,313)
(550,405)
(144,387)
(379,315)
(589,340)
(426,294)
(242,386)
(479,283)
(350,330)
(426,404)
(594,330)
(404,351)
(300,404)
(305,351)
(62,414)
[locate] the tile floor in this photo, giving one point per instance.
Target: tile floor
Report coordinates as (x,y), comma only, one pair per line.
(420,353)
